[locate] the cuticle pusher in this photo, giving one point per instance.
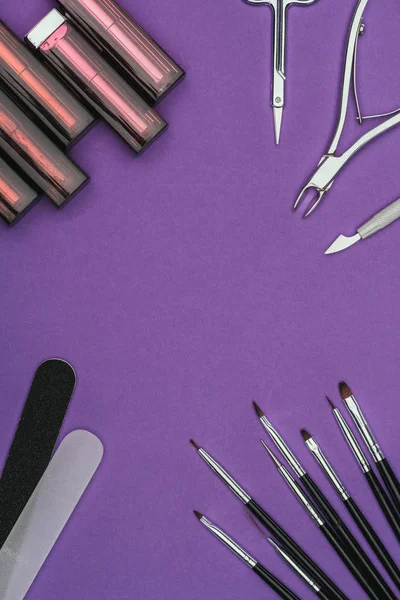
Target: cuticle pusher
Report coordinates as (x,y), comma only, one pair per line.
(379,221)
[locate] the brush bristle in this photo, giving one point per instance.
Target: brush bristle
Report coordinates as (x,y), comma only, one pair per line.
(271,454)
(306,436)
(344,389)
(330,403)
(198,515)
(258,410)
(194,444)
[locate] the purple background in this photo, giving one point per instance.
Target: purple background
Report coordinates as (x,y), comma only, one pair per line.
(181,287)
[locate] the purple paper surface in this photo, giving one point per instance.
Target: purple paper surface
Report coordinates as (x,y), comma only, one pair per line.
(181,287)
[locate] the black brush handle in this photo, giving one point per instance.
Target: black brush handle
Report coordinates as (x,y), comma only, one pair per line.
(384,502)
(359,557)
(341,551)
(324,594)
(390,480)
(274,583)
(305,561)
(373,540)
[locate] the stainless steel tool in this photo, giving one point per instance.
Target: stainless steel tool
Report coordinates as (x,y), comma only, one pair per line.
(379,221)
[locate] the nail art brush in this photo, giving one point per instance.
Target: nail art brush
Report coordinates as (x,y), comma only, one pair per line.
(383,465)
(374,591)
(379,221)
(325,507)
(374,483)
(317,588)
(255,566)
(355,512)
(268,522)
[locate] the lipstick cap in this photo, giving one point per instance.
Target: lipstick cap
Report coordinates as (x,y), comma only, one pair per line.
(127,46)
(79,64)
(16,195)
(43,162)
(46,97)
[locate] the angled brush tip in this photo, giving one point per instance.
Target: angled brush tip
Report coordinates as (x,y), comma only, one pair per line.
(344,390)
(194,444)
(305,435)
(330,403)
(258,410)
(198,515)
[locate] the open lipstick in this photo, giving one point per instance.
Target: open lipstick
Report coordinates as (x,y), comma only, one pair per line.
(52,104)
(81,66)
(36,155)
(16,195)
(388,475)
(130,49)
(255,566)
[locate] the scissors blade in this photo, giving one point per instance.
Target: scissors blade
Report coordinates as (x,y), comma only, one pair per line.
(278,113)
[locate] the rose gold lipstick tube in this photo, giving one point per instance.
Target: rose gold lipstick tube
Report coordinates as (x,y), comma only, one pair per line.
(16,195)
(83,68)
(36,155)
(138,57)
(52,104)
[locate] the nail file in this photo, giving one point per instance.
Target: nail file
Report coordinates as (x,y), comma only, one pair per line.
(47,512)
(35,438)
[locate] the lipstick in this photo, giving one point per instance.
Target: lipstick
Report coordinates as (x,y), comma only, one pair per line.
(52,104)
(37,156)
(86,71)
(16,195)
(128,47)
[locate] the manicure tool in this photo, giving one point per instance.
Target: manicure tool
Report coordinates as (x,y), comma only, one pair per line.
(379,221)
(331,164)
(279,8)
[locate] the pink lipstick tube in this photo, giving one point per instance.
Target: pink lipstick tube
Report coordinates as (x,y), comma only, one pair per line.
(126,45)
(51,103)
(36,155)
(16,196)
(83,68)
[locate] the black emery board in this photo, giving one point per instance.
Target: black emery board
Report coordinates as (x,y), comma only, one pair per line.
(35,438)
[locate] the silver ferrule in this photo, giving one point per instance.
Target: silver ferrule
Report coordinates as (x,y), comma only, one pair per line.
(294,486)
(283,447)
(327,468)
(226,478)
(48,25)
(296,568)
(352,441)
(229,542)
(363,427)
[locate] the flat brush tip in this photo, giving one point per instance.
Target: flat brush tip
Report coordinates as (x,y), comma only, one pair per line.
(194,444)
(198,515)
(330,403)
(344,389)
(305,435)
(258,410)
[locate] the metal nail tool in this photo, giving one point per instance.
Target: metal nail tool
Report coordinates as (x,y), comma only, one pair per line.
(331,163)
(279,8)
(379,221)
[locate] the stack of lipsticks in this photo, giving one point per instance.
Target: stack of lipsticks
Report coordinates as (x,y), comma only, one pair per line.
(89,59)
(325,517)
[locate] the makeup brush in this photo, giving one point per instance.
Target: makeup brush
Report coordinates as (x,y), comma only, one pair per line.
(357,515)
(325,507)
(383,465)
(255,566)
(374,591)
(268,522)
(318,589)
(374,483)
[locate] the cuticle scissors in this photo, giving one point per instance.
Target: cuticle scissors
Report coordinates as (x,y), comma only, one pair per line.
(279,8)
(330,163)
